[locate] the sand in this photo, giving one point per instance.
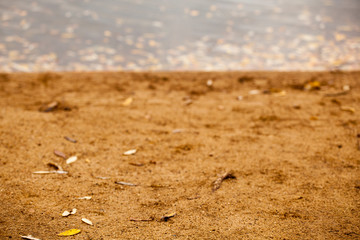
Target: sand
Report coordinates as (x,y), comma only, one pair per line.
(294,155)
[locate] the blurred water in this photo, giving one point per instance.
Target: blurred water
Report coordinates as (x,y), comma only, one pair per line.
(43,35)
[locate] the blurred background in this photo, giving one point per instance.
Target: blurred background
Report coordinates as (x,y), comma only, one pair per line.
(93,35)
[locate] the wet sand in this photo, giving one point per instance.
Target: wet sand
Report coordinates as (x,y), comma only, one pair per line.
(89,35)
(291,140)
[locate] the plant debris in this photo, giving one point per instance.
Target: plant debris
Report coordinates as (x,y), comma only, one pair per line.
(86,198)
(60,154)
(136,164)
(220,179)
(70,232)
(166,217)
(125,183)
(142,220)
(70,139)
(49,107)
(71,159)
(65,213)
(49,172)
(55,166)
(29,237)
(130,152)
(87,221)
(347,109)
(127,101)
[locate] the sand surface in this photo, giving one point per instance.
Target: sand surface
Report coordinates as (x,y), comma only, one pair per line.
(294,154)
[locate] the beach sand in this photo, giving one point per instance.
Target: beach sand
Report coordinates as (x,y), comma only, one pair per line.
(290,142)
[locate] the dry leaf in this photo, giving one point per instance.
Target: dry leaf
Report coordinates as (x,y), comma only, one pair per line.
(220,179)
(87,221)
(126,183)
(29,237)
(65,213)
(167,216)
(127,101)
(142,220)
(48,172)
(130,152)
(60,154)
(314,85)
(71,159)
(70,232)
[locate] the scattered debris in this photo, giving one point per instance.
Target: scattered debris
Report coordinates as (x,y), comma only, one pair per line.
(87,221)
(65,213)
(220,179)
(193,198)
(29,237)
(70,139)
(86,198)
(60,154)
(209,83)
(49,107)
(73,211)
(313,85)
(137,164)
(177,131)
(254,92)
(127,101)
(188,101)
(130,152)
(167,217)
(125,183)
(347,109)
(70,232)
(71,159)
(48,172)
(142,220)
(103,178)
(55,166)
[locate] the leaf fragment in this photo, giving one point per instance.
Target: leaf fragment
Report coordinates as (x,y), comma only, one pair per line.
(130,152)
(220,179)
(49,107)
(87,221)
(48,172)
(70,232)
(71,159)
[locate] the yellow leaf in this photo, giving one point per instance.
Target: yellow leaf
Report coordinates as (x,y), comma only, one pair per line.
(70,232)
(127,101)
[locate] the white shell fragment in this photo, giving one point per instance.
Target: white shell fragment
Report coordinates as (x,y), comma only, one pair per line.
(86,198)
(87,221)
(71,159)
(29,237)
(73,211)
(65,213)
(130,152)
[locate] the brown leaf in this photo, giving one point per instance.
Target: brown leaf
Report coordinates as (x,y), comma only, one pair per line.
(60,154)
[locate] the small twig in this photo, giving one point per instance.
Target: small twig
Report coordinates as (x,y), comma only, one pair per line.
(125,183)
(142,220)
(220,179)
